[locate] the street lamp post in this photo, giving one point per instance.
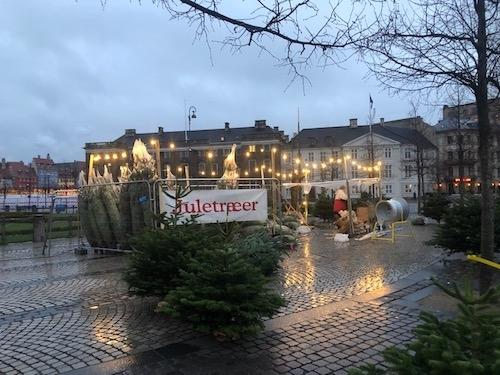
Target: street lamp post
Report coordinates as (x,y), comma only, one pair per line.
(191,115)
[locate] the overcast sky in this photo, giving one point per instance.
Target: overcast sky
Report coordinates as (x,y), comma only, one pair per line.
(75,72)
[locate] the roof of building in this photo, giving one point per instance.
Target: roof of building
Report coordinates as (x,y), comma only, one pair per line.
(336,136)
(227,135)
(452,124)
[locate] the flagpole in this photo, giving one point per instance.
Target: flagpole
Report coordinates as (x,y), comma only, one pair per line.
(372,151)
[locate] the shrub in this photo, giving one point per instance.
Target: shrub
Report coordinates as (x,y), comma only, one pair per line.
(262,251)
(435,206)
(222,293)
(159,255)
(466,345)
(461,231)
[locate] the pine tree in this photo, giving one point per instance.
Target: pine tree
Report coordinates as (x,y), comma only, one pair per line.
(223,294)
(466,345)
(323,207)
(435,206)
(461,231)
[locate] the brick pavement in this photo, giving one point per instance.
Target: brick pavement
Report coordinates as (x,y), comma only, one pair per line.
(68,312)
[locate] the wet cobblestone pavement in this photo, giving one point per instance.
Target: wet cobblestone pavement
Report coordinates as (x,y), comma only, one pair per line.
(71,313)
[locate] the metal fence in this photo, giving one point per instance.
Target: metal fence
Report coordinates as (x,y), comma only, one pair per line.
(109,215)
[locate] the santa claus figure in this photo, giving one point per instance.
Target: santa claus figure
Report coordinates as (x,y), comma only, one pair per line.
(340,201)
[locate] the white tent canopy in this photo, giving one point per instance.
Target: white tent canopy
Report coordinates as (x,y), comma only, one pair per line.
(334,184)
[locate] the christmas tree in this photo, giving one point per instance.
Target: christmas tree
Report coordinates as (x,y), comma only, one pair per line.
(222,293)
(466,345)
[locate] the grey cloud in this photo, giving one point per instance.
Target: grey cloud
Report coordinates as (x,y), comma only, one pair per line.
(74,72)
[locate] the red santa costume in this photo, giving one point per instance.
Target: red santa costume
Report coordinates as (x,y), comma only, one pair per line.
(340,201)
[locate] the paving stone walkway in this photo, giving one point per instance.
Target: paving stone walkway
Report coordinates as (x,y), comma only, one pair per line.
(71,313)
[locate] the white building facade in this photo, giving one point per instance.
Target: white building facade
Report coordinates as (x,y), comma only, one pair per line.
(321,151)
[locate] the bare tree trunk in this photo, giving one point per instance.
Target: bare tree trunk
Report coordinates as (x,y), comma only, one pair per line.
(481,93)
(461,186)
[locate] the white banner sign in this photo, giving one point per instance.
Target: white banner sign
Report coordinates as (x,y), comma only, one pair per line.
(219,205)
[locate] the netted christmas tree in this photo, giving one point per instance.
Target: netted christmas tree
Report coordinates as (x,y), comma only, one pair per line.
(222,293)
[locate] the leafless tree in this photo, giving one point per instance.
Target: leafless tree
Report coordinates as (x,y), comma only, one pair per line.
(424,164)
(412,45)
(433,43)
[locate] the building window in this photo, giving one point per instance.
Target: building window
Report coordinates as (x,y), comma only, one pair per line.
(450,171)
(184,154)
(323,175)
(201,167)
(449,139)
(408,189)
(469,155)
(267,163)
(469,139)
(388,153)
(354,171)
(335,172)
(226,151)
(450,155)
(387,171)
(251,148)
(322,156)
(215,168)
(252,164)
(355,189)
(407,171)
(335,154)
(310,156)
(354,153)
(498,172)
(388,189)
(407,153)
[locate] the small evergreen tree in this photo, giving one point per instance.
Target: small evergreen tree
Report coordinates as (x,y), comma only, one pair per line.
(467,345)
(222,293)
(435,206)
(159,255)
(261,250)
(461,231)
(323,207)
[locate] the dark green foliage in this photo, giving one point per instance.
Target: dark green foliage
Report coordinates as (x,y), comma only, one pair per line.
(261,250)
(222,293)
(323,207)
(159,255)
(435,206)
(467,345)
(461,231)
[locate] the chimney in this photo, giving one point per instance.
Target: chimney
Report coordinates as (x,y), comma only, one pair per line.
(4,165)
(160,130)
(226,126)
(48,156)
(260,124)
(353,122)
(276,129)
(382,122)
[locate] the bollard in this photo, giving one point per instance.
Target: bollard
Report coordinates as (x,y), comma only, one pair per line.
(38,228)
